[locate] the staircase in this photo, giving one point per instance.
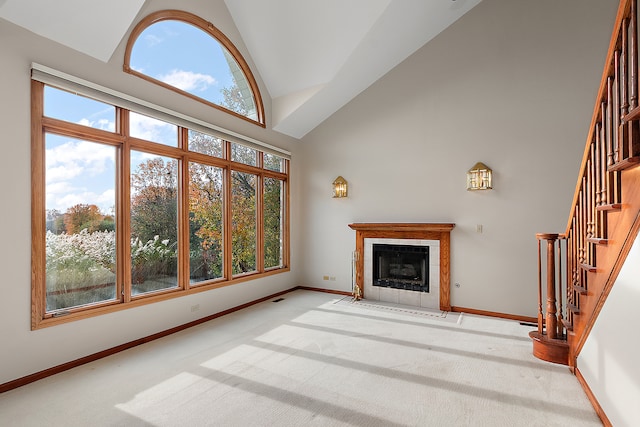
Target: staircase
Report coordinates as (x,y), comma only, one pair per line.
(577,268)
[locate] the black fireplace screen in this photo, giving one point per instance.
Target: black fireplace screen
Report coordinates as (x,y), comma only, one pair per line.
(401,267)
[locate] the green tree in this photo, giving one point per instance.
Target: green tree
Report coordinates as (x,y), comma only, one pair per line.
(272,222)
(55,221)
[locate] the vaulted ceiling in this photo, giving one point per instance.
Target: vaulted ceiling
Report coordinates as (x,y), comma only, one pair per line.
(313,56)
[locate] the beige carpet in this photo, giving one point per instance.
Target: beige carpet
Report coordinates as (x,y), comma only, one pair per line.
(315,359)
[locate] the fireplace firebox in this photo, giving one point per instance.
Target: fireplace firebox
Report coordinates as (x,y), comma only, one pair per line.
(401,267)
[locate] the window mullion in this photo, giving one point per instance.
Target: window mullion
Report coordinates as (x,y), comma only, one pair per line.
(124,209)
(260,224)
(286,256)
(183,212)
(260,253)
(38,227)
(227,224)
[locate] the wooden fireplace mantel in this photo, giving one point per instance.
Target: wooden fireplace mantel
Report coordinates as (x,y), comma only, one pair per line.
(422,231)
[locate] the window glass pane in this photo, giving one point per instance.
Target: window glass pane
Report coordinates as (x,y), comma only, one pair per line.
(154,226)
(154,130)
(273,215)
(63,105)
(243,228)
(80,239)
(205,144)
(205,222)
(189,59)
(273,162)
(243,154)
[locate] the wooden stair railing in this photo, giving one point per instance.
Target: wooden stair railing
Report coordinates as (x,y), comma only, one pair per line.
(601,222)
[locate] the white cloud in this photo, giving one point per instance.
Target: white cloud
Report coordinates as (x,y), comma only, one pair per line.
(151,129)
(103,124)
(63,200)
(153,39)
(188,80)
(58,174)
(75,169)
(61,187)
(75,158)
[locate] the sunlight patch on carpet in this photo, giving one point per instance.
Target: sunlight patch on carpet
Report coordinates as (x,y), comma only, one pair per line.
(386,307)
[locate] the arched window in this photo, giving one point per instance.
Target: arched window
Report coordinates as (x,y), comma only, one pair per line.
(187,54)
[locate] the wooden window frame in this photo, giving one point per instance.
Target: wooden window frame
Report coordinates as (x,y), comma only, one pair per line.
(41,125)
(209,28)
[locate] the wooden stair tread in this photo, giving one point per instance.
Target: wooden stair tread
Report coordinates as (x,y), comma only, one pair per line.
(624,164)
(580,289)
(551,350)
(589,268)
(609,207)
(567,325)
(598,240)
(633,114)
(573,308)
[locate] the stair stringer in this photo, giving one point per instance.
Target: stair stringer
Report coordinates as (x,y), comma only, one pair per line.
(622,229)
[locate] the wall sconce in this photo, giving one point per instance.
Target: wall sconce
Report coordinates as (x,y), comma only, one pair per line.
(340,187)
(479,177)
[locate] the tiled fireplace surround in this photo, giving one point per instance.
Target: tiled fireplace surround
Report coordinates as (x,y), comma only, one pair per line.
(434,235)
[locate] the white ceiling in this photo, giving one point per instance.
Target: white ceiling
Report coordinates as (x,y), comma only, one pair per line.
(313,56)
(73,22)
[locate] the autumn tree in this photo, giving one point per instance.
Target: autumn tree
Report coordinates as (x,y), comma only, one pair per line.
(154,197)
(243,227)
(82,216)
(205,221)
(154,209)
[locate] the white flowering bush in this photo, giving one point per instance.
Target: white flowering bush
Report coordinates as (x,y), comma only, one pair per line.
(81,267)
(152,259)
(82,250)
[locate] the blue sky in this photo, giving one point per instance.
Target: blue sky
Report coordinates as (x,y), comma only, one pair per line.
(183,56)
(84,172)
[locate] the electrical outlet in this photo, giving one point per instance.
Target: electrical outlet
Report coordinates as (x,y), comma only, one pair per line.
(325,277)
(479,228)
(332,278)
(195,307)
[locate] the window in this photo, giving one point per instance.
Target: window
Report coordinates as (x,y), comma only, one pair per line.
(80,242)
(129,208)
(184,53)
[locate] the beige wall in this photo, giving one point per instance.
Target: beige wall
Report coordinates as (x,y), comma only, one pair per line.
(609,359)
(511,84)
(23,351)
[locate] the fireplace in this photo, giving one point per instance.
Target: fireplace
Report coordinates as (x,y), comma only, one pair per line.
(433,238)
(401,267)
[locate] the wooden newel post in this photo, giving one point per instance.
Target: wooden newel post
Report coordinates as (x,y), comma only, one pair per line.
(551,319)
(551,309)
(540,311)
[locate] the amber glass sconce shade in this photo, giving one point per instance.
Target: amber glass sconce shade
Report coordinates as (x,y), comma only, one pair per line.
(479,177)
(339,187)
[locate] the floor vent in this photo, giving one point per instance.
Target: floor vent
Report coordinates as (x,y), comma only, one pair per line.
(278,300)
(533,325)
